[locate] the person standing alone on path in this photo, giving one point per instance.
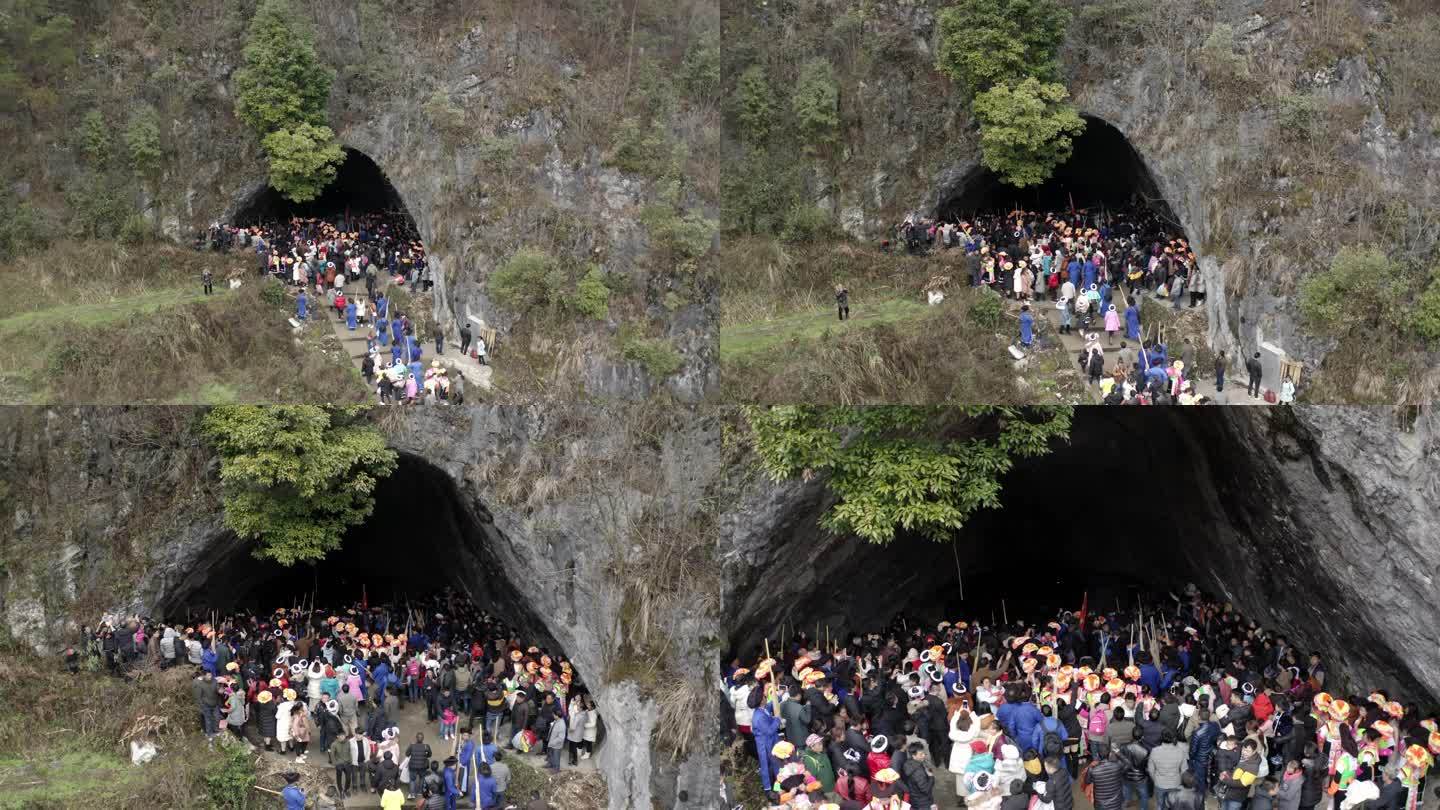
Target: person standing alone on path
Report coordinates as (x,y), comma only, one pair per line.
(1252,366)
(842,302)
(208,278)
(1220,372)
(465,338)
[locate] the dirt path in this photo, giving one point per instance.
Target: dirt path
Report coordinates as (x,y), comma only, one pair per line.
(1073,343)
(354,344)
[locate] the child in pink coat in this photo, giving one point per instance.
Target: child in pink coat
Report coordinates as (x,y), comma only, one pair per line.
(1112,324)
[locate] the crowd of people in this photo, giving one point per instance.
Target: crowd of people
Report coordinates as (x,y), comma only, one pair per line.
(1178,698)
(327,261)
(306,685)
(1091,268)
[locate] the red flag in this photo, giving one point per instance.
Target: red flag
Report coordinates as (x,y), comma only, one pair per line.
(1084,608)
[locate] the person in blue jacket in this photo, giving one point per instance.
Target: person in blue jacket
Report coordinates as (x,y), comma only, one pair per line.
(1150,676)
(416,350)
(302,307)
(382,305)
(1027,326)
(383,335)
(395,352)
(1049,724)
(1132,321)
(350,313)
(1023,717)
(397,329)
(766,728)
(485,795)
(292,794)
(452,790)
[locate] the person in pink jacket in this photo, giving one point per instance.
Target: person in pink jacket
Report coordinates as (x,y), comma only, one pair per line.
(1112,324)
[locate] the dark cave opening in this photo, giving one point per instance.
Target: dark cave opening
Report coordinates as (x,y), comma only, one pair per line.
(423,541)
(1104,173)
(422,537)
(359,187)
(1138,501)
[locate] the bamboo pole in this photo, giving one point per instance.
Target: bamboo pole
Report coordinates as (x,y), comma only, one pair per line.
(267,790)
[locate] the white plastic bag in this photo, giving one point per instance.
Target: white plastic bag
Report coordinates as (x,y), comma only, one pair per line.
(405,770)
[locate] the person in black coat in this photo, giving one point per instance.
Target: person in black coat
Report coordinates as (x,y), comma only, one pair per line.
(1107,776)
(1059,790)
(918,778)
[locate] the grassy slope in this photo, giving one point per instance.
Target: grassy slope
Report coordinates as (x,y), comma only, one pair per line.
(100,322)
(780,341)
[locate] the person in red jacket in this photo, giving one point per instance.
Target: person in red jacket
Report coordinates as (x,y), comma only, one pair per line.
(1263,706)
(852,786)
(879,758)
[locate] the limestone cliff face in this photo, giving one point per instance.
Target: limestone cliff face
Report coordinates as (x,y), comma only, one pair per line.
(534,96)
(1266,194)
(1319,522)
(117,510)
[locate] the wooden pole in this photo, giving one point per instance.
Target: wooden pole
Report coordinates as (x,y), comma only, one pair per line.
(1005,611)
(267,790)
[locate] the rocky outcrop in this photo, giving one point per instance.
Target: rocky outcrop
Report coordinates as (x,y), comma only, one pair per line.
(1265,199)
(117,510)
(1319,522)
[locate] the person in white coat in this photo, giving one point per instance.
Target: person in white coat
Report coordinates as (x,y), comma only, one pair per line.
(592,729)
(963,728)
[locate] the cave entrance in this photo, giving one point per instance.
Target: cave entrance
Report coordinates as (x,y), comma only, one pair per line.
(1139,501)
(360,190)
(425,560)
(1105,176)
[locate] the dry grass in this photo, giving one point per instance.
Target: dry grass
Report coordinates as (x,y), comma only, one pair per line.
(231,347)
(937,356)
(52,717)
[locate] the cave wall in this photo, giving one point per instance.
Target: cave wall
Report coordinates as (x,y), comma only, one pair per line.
(118,509)
(1261,212)
(1319,522)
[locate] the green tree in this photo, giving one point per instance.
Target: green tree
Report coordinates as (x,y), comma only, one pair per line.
(282,81)
(530,279)
(142,140)
(94,138)
(295,477)
(986,42)
(700,74)
(303,160)
(755,105)
(898,468)
(1026,130)
(283,90)
(1362,291)
(816,104)
(592,297)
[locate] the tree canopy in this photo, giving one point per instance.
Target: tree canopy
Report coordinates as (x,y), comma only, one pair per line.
(1027,130)
(902,468)
(296,477)
(283,90)
(1005,55)
(988,42)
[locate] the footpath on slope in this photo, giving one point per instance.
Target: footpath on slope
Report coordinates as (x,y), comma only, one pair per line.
(1073,344)
(354,344)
